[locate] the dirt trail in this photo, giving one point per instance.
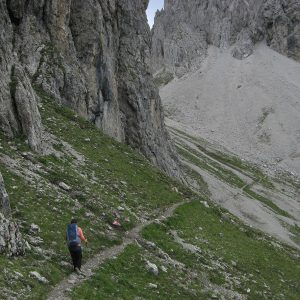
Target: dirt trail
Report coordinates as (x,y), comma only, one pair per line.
(65,286)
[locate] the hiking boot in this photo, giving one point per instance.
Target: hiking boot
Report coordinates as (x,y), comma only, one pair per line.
(77,271)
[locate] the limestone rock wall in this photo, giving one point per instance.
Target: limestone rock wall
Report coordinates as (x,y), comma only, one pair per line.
(183,30)
(11,241)
(92,56)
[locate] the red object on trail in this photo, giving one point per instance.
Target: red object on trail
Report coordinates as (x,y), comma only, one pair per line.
(116,223)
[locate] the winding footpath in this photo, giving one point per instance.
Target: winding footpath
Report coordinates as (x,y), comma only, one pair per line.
(64,287)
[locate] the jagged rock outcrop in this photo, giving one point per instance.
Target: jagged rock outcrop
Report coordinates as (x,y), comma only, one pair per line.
(183,30)
(11,241)
(4,199)
(92,56)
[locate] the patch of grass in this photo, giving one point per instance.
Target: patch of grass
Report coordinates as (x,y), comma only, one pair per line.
(105,155)
(296,231)
(217,277)
(110,175)
(35,205)
(230,160)
(193,175)
(267,202)
(267,270)
(210,166)
(127,278)
(163,78)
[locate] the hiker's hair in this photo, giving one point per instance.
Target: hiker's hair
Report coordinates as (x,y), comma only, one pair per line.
(74,221)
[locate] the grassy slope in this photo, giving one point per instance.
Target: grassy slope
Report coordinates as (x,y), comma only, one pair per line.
(232,256)
(112,175)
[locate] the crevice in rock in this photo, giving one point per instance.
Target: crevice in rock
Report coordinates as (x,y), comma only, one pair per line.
(13,85)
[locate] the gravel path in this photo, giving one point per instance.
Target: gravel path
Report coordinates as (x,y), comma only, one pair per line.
(61,290)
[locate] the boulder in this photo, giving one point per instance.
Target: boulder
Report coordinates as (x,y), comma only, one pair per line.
(39,277)
(152,268)
(34,229)
(4,199)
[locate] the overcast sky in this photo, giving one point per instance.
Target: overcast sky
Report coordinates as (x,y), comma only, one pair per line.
(154,5)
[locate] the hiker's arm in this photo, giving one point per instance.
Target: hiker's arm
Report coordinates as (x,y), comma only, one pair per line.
(82,237)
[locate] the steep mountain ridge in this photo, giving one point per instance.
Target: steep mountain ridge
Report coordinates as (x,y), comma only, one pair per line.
(251,107)
(230,86)
(92,56)
(183,30)
(199,252)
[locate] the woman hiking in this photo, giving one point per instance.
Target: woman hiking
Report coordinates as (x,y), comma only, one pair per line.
(74,237)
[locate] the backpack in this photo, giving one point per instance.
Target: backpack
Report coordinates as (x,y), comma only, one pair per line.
(72,235)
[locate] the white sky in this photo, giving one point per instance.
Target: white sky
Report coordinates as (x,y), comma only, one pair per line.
(154,5)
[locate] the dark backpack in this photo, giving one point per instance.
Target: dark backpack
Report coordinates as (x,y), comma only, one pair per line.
(72,235)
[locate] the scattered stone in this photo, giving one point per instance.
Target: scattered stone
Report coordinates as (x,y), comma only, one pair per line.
(152,285)
(34,229)
(4,199)
(18,274)
(89,214)
(120,208)
(248,291)
(233,263)
(152,268)
(147,244)
(64,186)
(205,204)
(164,269)
(35,240)
(71,281)
(87,140)
(39,277)
(175,189)
(27,245)
(64,264)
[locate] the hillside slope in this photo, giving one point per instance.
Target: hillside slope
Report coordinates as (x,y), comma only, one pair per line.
(202,251)
(86,175)
(92,56)
(251,107)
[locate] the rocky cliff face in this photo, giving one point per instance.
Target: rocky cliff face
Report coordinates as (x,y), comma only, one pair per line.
(183,30)
(11,241)
(92,56)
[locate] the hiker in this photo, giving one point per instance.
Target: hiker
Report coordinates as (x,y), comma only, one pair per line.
(74,237)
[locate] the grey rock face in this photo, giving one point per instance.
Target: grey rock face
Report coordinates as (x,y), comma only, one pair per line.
(183,30)
(11,241)
(92,56)
(5,204)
